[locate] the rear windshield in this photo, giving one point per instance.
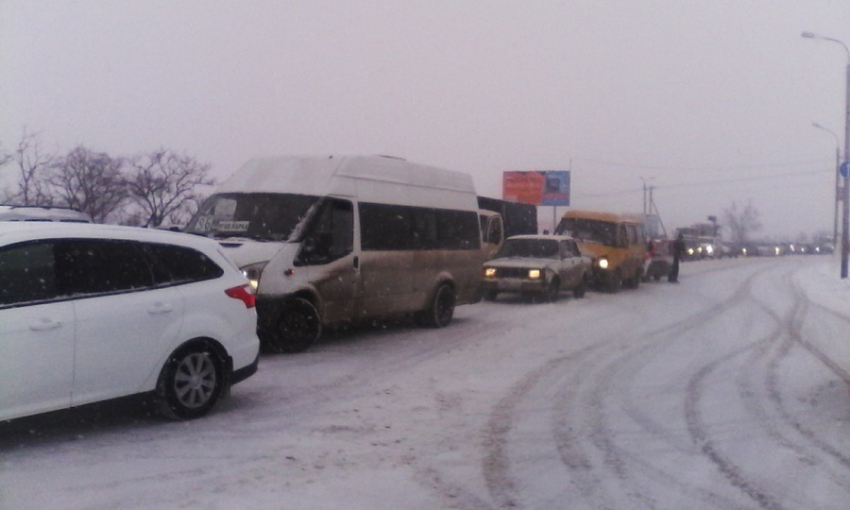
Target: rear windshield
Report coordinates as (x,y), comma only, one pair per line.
(261,216)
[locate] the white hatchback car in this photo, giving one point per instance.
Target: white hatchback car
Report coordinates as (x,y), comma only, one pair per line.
(94,312)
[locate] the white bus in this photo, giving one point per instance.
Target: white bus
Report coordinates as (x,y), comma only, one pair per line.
(329,239)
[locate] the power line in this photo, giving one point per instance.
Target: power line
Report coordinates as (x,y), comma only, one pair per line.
(703,183)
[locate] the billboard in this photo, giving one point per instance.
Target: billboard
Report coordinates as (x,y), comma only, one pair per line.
(537,187)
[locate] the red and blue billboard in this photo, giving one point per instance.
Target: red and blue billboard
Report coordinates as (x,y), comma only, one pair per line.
(537,187)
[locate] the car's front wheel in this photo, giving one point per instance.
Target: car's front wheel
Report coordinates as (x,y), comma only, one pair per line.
(580,289)
(190,382)
(552,291)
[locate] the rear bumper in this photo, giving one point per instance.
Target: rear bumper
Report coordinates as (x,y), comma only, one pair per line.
(245,372)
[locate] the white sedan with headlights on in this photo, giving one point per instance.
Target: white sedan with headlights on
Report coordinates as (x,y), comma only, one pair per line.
(537,266)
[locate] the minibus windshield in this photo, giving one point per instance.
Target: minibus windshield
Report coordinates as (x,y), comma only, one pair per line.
(602,232)
(259,216)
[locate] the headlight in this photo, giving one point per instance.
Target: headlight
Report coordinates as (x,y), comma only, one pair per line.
(603,263)
(534,274)
(690,251)
(489,272)
(253,272)
(709,249)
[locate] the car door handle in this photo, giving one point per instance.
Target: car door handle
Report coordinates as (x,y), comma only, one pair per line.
(45,324)
(160,307)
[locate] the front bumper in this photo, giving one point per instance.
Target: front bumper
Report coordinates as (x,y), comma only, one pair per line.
(521,285)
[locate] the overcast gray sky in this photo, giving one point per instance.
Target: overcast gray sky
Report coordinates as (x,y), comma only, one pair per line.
(709,101)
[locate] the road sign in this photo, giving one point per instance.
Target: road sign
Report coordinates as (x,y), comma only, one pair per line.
(844,170)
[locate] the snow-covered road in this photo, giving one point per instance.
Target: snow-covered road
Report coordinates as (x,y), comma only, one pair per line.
(726,391)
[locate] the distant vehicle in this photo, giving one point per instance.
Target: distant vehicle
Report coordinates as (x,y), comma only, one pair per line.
(616,243)
(537,266)
(333,239)
(94,312)
(36,213)
(519,219)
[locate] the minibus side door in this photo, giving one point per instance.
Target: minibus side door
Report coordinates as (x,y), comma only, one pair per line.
(327,251)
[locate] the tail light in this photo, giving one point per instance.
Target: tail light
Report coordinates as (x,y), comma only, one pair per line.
(244,293)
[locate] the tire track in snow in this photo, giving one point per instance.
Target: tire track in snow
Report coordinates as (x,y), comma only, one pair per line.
(770,351)
(505,489)
(794,329)
(619,373)
(697,430)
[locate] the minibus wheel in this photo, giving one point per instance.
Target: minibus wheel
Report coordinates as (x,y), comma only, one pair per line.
(298,327)
(439,314)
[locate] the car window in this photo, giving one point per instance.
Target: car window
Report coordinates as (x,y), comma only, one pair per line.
(330,235)
(179,264)
(568,249)
(97,266)
(27,273)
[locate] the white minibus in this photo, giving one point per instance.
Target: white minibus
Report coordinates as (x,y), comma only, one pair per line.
(330,239)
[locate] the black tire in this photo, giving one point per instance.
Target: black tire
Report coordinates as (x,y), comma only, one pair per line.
(552,291)
(635,281)
(490,295)
(190,383)
(615,282)
(442,308)
(581,289)
(297,327)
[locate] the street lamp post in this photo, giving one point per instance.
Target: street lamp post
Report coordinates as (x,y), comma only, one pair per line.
(837,181)
(845,216)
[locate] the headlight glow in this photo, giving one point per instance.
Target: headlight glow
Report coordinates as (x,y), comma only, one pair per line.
(690,251)
(603,263)
(534,274)
(253,272)
(489,272)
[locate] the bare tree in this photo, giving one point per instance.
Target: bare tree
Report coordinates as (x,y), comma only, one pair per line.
(743,222)
(5,157)
(33,165)
(164,185)
(89,181)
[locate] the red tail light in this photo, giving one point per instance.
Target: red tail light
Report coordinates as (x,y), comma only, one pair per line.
(244,293)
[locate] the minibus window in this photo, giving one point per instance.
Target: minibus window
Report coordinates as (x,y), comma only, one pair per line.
(330,235)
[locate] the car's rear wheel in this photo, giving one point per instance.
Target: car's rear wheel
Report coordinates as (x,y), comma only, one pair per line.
(190,382)
(298,326)
(442,308)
